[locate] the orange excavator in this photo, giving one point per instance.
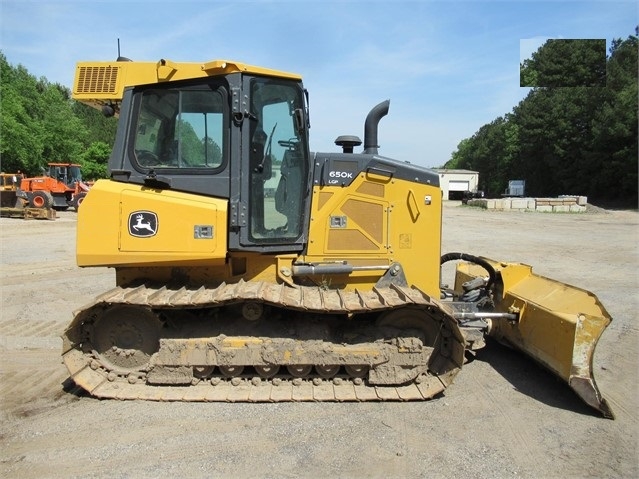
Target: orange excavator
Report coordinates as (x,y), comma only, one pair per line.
(60,188)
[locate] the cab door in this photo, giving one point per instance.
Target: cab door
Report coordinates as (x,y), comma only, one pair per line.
(274,180)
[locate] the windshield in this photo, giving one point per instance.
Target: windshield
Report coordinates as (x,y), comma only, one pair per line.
(74,174)
(67,174)
(180,129)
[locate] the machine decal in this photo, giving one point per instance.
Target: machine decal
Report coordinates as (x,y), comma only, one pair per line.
(143,224)
(340,172)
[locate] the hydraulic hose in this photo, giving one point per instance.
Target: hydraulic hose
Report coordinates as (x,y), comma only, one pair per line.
(471,259)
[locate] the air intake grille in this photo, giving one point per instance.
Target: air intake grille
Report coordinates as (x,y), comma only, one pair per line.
(97,79)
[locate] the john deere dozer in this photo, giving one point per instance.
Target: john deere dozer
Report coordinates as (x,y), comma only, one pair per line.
(250,269)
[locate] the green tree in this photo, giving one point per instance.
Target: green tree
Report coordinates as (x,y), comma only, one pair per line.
(192,150)
(22,134)
(64,135)
(614,149)
(460,158)
(577,140)
(554,135)
(20,144)
(196,151)
(566,63)
(99,127)
(213,152)
(527,74)
(41,124)
(94,161)
(492,151)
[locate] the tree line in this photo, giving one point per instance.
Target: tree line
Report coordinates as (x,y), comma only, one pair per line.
(41,124)
(574,133)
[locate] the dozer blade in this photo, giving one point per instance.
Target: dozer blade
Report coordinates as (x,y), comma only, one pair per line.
(558,325)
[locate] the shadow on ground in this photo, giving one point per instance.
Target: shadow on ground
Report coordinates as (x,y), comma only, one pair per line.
(532,379)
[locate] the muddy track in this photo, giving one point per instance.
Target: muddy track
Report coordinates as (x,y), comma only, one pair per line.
(441,363)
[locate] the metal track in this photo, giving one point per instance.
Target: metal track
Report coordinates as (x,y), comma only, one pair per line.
(89,372)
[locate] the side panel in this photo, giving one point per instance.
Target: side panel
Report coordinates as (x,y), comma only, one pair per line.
(43,183)
(131,225)
(375,221)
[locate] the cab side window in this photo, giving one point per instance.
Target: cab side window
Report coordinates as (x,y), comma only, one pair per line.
(180,129)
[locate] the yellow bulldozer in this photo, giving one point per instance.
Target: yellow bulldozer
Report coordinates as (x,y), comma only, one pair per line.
(251,269)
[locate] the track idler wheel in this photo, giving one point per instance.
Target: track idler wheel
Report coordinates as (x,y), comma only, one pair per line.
(405,321)
(125,337)
(436,329)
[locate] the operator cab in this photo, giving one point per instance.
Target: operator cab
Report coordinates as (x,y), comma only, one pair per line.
(69,174)
(240,137)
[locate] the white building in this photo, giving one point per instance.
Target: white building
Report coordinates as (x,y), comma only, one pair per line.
(454,182)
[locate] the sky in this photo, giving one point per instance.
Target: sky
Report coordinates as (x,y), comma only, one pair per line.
(448,67)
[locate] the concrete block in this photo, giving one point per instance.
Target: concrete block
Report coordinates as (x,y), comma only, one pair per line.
(505,203)
(489,204)
(582,200)
(519,204)
(561,208)
(478,203)
(544,208)
(577,209)
(531,204)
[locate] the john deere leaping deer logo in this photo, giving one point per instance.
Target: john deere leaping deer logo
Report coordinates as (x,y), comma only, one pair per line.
(143,224)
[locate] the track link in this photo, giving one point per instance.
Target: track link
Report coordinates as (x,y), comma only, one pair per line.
(186,368)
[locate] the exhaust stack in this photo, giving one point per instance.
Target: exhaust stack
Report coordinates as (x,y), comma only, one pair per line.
(370,127)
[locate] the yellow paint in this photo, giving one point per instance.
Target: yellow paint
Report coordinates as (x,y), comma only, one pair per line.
(400,227)
(557,321)
(240,343)
(104,239)
(98,83)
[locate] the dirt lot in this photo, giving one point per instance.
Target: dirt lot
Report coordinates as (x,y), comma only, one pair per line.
(503,417)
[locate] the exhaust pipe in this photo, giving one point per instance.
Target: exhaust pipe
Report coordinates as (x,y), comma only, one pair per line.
(370,127)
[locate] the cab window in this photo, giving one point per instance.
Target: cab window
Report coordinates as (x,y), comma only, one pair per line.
(180,129)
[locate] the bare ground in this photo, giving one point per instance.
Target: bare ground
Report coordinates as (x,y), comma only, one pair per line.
(503,417)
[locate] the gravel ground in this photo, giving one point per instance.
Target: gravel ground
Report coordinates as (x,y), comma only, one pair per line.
(503,417)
